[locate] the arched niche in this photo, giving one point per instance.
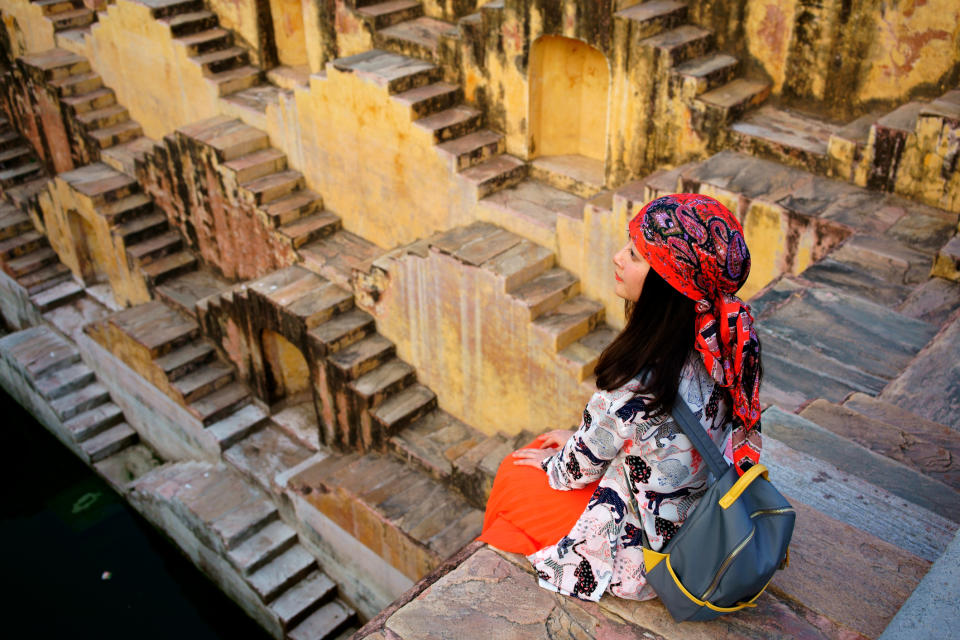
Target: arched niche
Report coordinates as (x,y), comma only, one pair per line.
(287,373)
(569,94)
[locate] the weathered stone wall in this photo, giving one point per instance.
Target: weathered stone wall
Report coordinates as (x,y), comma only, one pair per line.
(252,24)
(28,31)
(838,56)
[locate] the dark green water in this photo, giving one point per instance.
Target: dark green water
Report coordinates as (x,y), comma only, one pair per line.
(62,528)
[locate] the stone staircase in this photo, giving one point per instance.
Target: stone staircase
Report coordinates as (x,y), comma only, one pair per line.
(165,347)
(208,45)
(51,365)
(436,107)
(18,162)
(241,526)
(67,15)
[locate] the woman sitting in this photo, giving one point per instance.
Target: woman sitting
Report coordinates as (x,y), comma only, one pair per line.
(687,336)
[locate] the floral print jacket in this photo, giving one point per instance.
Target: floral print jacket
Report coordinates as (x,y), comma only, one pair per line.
(641,460)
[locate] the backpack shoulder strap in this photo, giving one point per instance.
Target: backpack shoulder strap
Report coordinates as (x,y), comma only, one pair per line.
(692,428)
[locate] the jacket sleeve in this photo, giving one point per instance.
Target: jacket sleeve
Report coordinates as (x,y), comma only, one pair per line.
(587,453)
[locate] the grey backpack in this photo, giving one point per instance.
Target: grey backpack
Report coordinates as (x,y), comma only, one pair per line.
(726,552)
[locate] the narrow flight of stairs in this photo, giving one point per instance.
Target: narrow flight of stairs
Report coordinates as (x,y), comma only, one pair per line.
(18,162)
(237,522)
(51,364)
(67,15)
(186,367)
(474,152)
(208,45)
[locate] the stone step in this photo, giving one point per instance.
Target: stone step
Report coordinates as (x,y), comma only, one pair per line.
(581,357)
(191,289)
(205,41)
(239,525)
(732,99)
(116,134)
(519,264)
(385,14)
(39,351)
(63,381)
(140,228)
(935,301)
(274,186)
(499,172)
(216,406)
(205,380)
(22,244)
(290,567)
(16,156)
(236,79)
(230,138)
(45,278)
(356,359)
(262,547)
(167,8)
(803,435)
(77,402)
(89,423)
(947,261)
(109,441)
(571,173)
(72,19)
(51,7)
(705,73)
(934,397)
(429,99)
(185,24)
(857,280)
(162,269)
(341,331)
(21,173)
(57,295)
(451,123)
(14,223)
(238,425)
(126,208)
(546,291)
(568,322)
(391,71)
(292,207)
(531,208)
(434,443)
(374,387)
(329,620)
(186,359)
(24,195)
(855,501)
(10,139)
(220,60)
(931,449)
(79,85)
(402,408)
(257,164)
(90,101)
(651,18)
(471,149)
(311,228)
(102,184)
(785,136)
(105,117)
(156,327)
(678,45)
(155,247)
(303,598)
(419,37)
(320,304)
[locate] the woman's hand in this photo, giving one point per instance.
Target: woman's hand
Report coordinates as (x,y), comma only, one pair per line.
(556,438)
(532,457)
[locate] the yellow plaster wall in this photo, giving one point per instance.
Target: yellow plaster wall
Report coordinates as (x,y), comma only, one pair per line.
(108,251)
(476,347)
(569,89)
(352,35)
(288,31)
(769,25)
(914,43)
(28,30)
(151,73)
(240,16)
(375,168)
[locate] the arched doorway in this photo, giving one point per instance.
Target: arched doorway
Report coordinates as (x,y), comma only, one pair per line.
(287,373)
(82,235)
(569,95)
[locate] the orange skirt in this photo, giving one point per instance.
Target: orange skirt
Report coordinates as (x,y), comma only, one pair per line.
(524,514)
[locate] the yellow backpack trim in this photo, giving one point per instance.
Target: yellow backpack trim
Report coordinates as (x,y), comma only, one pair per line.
(742,483)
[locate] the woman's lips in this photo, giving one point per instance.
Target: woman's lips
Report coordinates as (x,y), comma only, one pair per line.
(619,279)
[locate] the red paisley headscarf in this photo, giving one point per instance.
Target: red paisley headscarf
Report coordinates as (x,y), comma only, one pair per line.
(696,245)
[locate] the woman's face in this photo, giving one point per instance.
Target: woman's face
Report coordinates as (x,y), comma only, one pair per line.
(631,271)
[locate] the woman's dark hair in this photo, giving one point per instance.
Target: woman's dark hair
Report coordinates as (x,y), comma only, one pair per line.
(658,336)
